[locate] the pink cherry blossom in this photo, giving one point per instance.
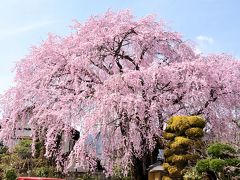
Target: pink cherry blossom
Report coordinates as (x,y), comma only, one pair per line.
(116,80)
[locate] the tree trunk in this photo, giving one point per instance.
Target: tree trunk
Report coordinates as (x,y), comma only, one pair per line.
(140,166)
(139,170)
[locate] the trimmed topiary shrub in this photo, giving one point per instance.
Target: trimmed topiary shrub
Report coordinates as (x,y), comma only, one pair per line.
(173,171)
(216,165)
(169,159)
(167,152)
(196,121)
(218,150)
(183,141)
(233,162)
(179,159)
(166,165)
(168,136)
(203,165)
(178,124)
(194,132)
(223,161)
(180,142)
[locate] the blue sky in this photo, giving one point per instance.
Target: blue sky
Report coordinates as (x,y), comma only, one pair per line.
(213,24)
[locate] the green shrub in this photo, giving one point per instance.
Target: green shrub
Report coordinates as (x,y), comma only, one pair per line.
(23,149)
(46,171)
(218,150)
(21,162)
(39,148)
(87,176)
(40,162)
(10,159)
(216,165)
(41,172)
(223,161)
(203,165)
(233,162)
(10,174)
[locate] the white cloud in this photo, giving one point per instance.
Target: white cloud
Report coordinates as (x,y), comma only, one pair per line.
(33,26)
(13,31)
(203,44)
(205,39)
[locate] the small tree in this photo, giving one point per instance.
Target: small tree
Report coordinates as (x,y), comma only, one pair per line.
(183,136)
(223,160)
(23,149)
